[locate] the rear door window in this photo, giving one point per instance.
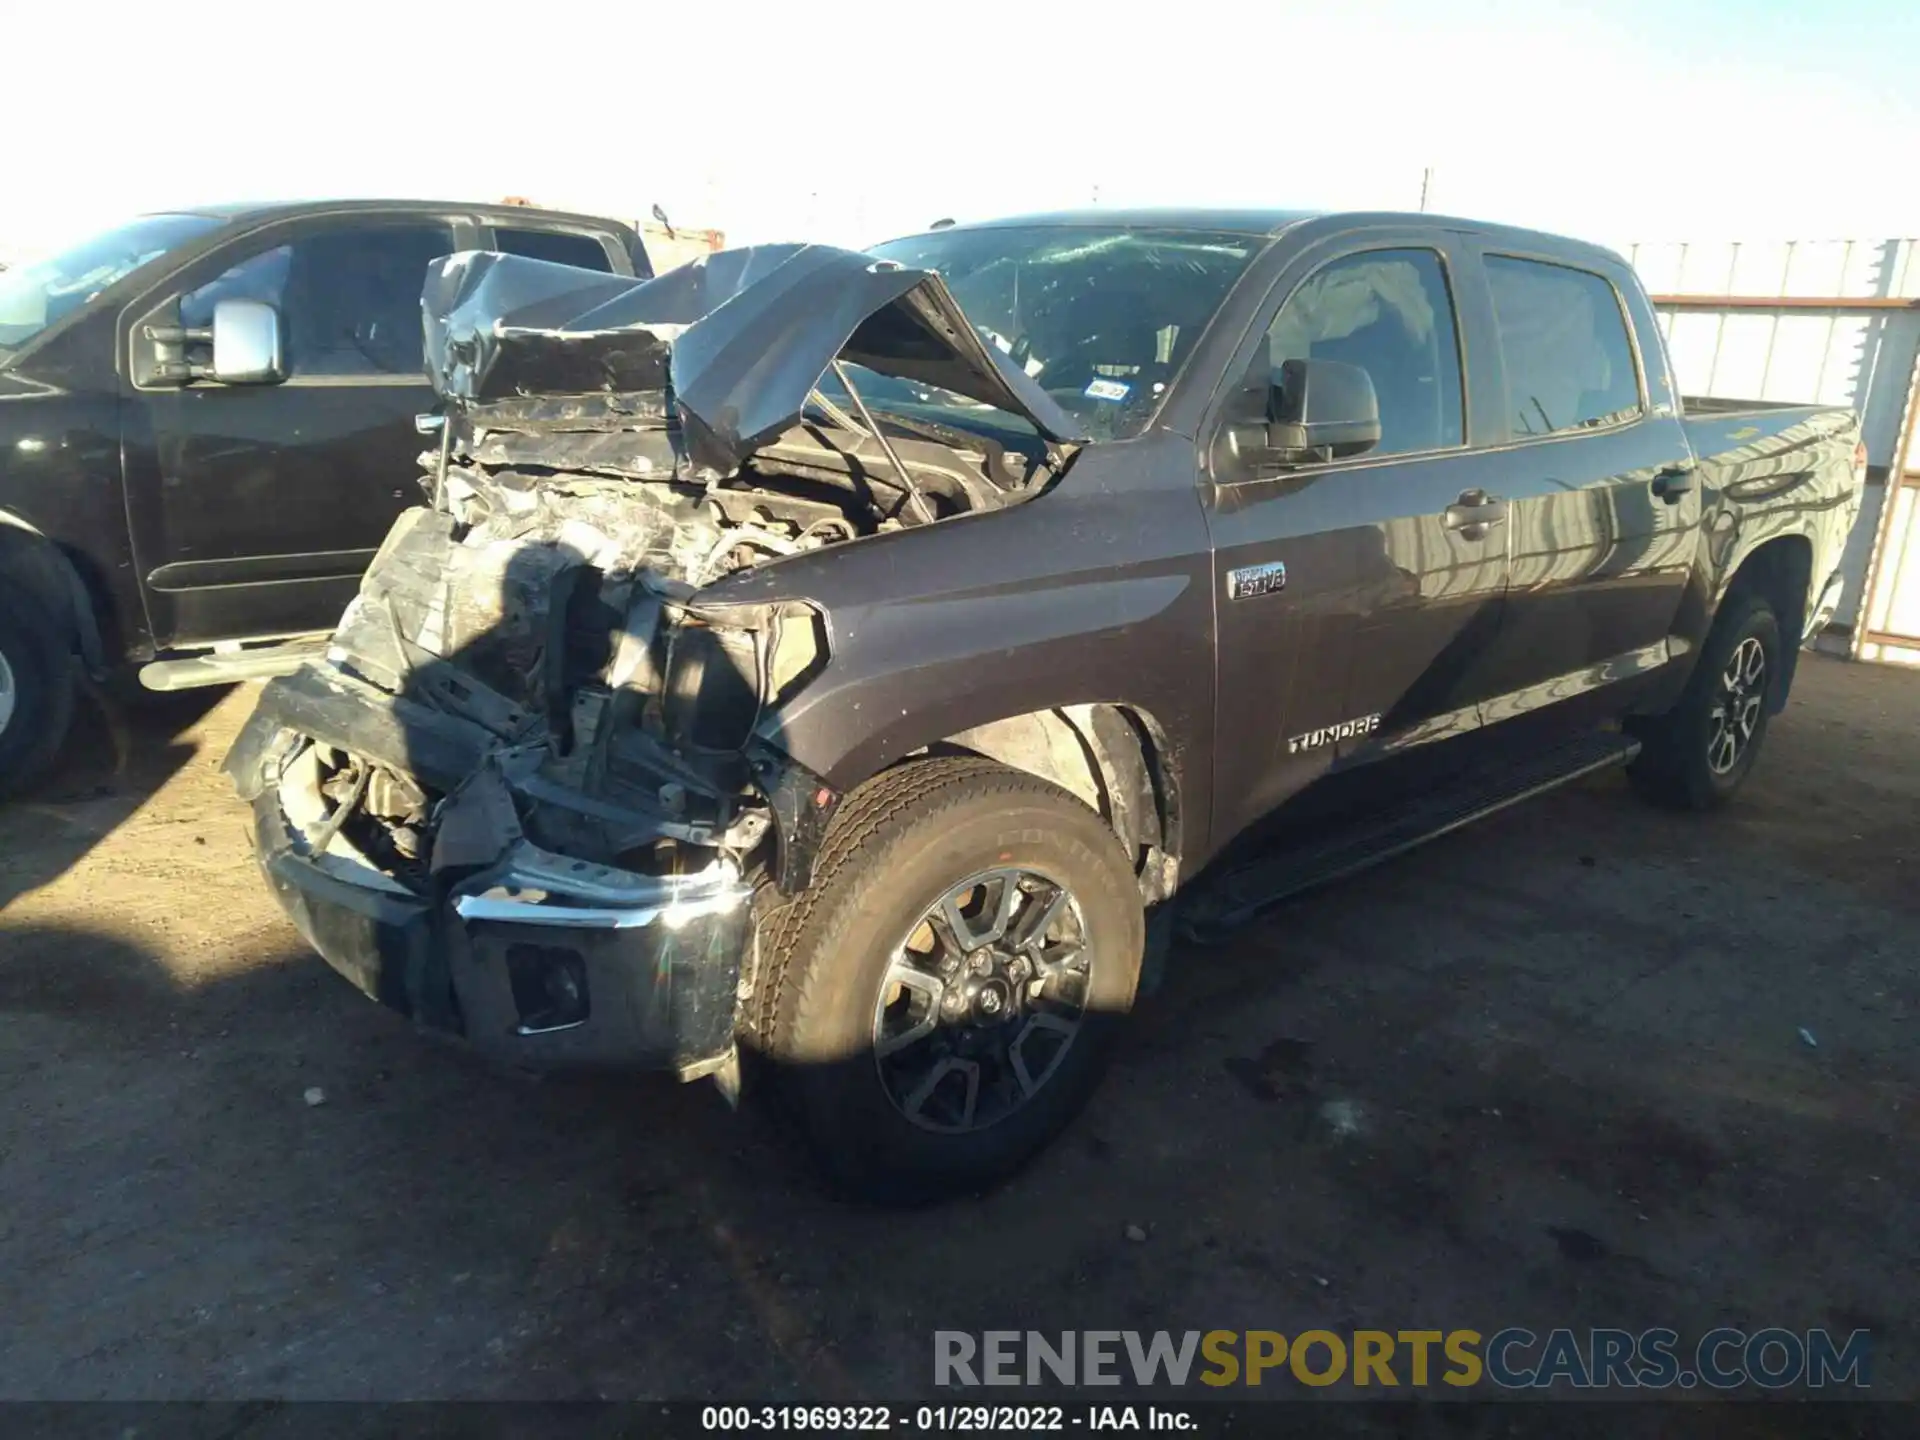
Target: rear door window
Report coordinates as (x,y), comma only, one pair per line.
(1563,337)
(557,247)
(1390,313)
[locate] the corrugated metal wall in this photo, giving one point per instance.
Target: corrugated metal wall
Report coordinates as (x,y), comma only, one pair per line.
(1892,627)
(668,252)
(1829,355)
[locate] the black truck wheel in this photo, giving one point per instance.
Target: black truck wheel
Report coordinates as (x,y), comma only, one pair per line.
(940,1002)
(36,688)
(1695,755)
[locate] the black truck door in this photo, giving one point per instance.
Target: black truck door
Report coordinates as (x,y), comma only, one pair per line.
(255,508)
(1371,636)
(1603,509)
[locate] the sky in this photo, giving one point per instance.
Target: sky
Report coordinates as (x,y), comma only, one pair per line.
(1633,120)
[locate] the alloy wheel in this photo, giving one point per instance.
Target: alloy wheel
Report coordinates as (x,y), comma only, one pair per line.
(1737,706)
(982,1000)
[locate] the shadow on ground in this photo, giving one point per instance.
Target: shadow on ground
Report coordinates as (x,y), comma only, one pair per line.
(125,746)
(1551,1076)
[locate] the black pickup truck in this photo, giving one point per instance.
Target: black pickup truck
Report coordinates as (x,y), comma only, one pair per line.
(207,420)
(862,664)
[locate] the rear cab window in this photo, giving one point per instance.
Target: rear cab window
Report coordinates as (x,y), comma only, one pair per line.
(1565,345)
(556,247)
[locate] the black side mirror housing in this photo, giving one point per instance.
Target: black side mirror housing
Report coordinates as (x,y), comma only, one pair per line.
(1321,410)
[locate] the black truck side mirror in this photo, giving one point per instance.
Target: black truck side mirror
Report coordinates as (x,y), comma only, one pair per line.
(1321,410)
(1306,411)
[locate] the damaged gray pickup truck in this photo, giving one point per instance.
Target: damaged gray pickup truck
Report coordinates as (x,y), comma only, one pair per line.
(833,660)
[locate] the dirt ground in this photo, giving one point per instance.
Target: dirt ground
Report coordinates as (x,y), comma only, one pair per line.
(1570,1041)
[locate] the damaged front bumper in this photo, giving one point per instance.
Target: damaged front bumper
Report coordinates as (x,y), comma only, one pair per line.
(536,959)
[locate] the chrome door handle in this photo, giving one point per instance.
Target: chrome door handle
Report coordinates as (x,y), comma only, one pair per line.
(1474,513)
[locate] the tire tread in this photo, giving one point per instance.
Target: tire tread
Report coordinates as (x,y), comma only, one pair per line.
(860,829)
(1667,772)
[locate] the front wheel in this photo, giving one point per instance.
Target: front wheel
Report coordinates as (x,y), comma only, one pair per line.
(941,1001)
(36,688)
(1696,755)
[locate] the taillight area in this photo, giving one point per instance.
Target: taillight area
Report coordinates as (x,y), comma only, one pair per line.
(1860,462)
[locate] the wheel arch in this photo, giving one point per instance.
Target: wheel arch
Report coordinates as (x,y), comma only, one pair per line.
(1111,756)
(1781,571)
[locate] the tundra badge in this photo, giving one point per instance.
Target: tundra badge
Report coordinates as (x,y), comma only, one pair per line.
(1251,580)
(1327,734)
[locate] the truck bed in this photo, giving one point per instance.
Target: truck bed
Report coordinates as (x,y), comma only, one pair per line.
(1783,470)
(1767,437)
(1719,407)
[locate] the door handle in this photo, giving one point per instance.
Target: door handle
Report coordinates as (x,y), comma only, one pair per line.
(1475,513)
(1673,482)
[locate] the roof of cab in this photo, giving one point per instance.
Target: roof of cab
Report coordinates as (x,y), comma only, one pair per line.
(276,209)
(1268,223)
(1247,222)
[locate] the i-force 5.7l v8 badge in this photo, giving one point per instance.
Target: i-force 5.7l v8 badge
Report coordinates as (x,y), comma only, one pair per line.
(1250,580)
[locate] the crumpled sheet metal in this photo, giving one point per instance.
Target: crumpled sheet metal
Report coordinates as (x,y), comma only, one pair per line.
(739,338)
(466,302)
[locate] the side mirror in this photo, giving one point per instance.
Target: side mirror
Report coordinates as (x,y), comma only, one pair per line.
(246,343)
(1321,410)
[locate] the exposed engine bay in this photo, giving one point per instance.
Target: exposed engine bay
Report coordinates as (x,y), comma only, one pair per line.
(544,614)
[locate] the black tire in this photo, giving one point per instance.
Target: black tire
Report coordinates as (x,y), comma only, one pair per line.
(899,844)
(38,676)
(1683,758)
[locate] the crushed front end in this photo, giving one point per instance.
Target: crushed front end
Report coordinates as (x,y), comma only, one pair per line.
(532,795)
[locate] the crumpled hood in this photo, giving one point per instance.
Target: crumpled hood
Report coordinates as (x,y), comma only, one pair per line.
(738,340)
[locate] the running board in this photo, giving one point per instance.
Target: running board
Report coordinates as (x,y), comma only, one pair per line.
(262,662)
(1242,893)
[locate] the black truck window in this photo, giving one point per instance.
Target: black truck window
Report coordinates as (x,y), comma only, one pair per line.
(1389,312)
(581,251)
(1564,339)
(259,277)
(349,299)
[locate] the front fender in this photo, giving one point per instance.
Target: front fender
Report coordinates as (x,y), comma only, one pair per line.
(1097,591)
(909,673)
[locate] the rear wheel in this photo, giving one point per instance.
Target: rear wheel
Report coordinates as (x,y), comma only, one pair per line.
(941,1001)
(1696,755)
(36,688)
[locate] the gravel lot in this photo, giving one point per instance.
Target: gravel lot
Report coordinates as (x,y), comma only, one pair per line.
(1568,1042)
